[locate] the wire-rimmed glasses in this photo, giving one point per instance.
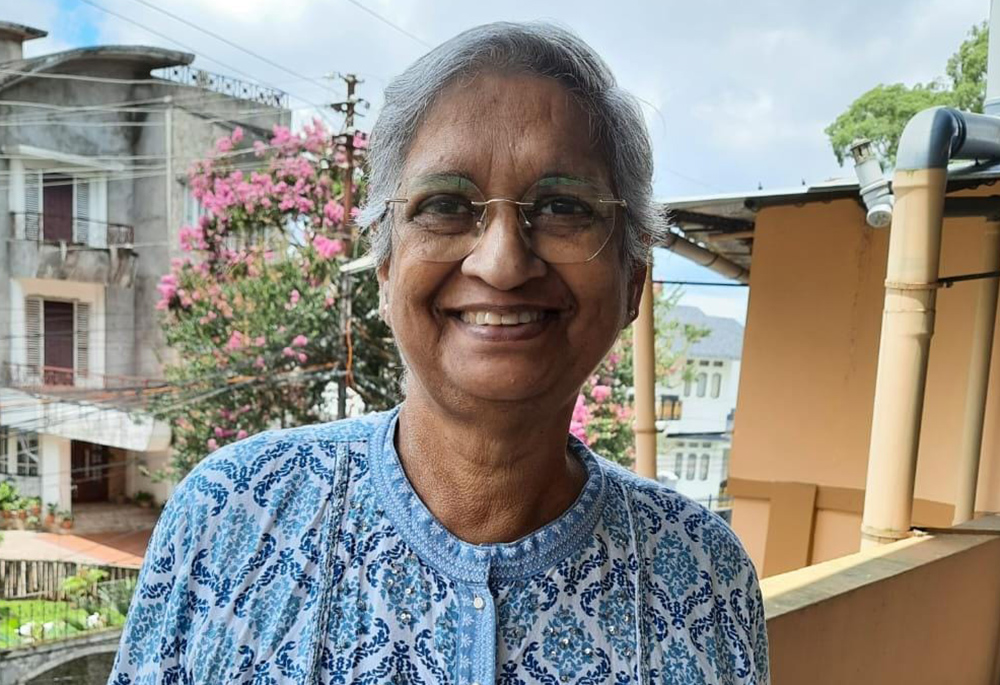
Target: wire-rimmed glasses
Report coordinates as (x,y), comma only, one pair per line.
(563,220)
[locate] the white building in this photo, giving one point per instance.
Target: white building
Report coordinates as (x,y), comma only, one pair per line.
(90,210)
(694,453)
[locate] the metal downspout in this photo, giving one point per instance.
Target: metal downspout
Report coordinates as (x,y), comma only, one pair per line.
(930,140)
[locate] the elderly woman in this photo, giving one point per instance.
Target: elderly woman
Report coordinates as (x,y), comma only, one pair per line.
(464,537)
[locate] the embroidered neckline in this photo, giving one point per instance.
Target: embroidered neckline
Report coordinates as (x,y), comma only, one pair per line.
(477,564)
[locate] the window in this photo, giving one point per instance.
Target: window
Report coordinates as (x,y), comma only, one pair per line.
(703,362)
(692,459)
(706,444)
(27,454)
(687,387)
(4,468)
(57,341)
(716,384)
(678,464)
(704,467)
(716,363)
(702,381)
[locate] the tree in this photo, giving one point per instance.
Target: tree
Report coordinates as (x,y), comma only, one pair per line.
(602,418)
(881,113)
(254,315)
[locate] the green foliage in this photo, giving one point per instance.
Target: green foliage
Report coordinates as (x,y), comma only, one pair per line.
(881,113)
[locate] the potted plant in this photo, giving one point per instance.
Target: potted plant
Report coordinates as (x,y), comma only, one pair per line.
(66,519)
(144,499)
(34,506)
(50,516)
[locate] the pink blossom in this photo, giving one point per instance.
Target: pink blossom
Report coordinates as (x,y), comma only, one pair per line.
(600,393)
(259,341)
(300,341)
(235,341)
(293,297)
(259,148)
(223,145)
(288,352)
(219,433)
(302,357)
(241,434)
(328,248)
(237,135)
(259,362)
(329,301)
(212,444)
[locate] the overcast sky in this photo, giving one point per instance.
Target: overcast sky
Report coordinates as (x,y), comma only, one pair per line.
(736,93)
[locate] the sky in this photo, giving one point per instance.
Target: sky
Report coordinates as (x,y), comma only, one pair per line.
(736,93)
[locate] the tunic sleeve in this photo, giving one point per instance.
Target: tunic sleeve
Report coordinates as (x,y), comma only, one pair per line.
(155,633)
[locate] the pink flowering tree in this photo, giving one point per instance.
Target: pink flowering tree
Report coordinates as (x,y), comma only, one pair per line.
(256,312)
(602,417)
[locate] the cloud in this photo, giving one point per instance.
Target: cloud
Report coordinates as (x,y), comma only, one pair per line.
(737,93)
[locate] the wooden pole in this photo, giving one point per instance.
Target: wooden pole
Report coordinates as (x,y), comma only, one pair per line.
(644,382)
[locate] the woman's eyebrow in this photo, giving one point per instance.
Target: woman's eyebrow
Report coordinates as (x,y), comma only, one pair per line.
(457,180)
(558,178)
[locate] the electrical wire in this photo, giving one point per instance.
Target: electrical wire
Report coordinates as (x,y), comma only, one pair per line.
(388,23)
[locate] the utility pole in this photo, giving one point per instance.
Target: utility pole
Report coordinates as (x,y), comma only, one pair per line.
(348,107)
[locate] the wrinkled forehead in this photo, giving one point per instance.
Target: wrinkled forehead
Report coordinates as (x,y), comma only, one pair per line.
(504,132)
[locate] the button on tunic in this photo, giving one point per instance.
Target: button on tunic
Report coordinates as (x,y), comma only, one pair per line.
(305,556)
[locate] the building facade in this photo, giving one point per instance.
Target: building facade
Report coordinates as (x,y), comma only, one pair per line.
(94,154)
(802,434)
(693,454)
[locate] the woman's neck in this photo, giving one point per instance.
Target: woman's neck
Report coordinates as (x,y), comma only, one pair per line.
(495,478)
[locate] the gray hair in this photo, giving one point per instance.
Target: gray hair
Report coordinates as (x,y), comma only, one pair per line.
(534,48)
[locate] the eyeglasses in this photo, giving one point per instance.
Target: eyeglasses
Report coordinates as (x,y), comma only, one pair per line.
(562,220)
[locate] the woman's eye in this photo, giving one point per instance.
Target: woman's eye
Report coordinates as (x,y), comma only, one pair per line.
(562,206)
(444,205)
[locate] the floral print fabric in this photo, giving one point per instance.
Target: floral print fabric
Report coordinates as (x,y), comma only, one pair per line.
(305,556)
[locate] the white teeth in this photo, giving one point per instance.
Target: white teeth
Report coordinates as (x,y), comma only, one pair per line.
(497,319)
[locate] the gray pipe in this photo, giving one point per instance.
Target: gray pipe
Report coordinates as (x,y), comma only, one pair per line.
(935,136)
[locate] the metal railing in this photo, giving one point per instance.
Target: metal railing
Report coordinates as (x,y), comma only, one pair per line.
(32,227)
(42,617)
(224,85)
(56,378)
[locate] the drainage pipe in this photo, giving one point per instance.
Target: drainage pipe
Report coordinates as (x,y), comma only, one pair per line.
(979,373)
(706,258)
(930,140)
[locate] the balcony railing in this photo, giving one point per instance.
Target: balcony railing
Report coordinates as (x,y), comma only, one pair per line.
(225,85)
(80,231)
(54,380)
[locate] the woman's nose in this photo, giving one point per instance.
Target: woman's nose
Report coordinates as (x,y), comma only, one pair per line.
(502,258)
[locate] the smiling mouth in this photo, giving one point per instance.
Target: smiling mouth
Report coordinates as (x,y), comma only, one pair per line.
(508,318)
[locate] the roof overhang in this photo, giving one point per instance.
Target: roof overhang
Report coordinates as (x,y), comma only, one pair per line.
(725,222)
(71,161)
(101,425)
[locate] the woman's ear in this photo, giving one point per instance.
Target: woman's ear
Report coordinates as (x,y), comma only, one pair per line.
(637,280)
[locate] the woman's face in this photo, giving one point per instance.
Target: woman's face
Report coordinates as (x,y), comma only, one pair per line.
(503,133)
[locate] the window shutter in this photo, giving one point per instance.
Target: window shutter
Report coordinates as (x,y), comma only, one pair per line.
(81,210)
(32,204)
(33,336)
(82,339)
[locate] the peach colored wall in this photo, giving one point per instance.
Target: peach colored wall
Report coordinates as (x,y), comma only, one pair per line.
(835,534)
(931,617)
(809,361)
(750,521)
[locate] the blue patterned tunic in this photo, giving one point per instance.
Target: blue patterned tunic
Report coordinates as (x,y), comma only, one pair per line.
(305,556)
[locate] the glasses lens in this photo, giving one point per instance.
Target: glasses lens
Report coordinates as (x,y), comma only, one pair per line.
(439,222)
(571,220)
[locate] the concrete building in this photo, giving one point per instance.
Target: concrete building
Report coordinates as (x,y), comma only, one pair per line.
(94,148)
(801,439)
(693,455)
